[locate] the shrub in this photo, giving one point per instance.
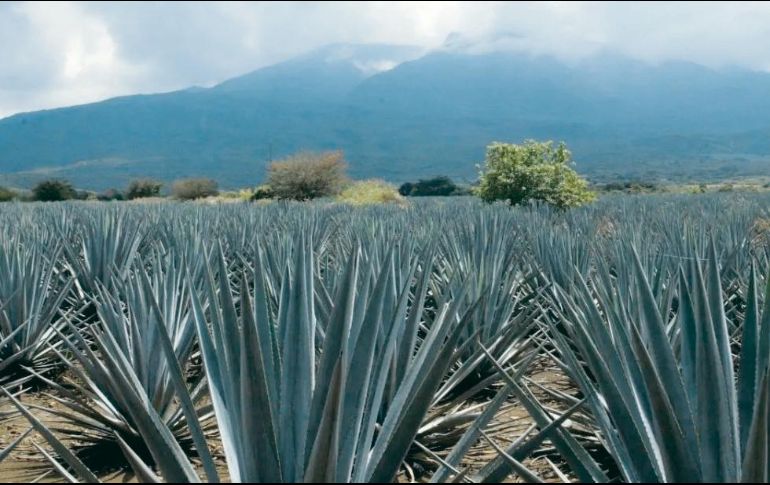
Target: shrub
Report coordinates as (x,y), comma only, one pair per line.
(6,194)
(700,189)
(533,171)
(632,186)
(727,187)
(308,175)
(144,187)
(262,192)
(110,194)
(373,191)
(53,190)
(195,188)
(436,186)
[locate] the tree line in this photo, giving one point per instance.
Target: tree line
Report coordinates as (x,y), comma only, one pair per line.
(515,173)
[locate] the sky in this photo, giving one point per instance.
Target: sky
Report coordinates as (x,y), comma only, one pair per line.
(65,53)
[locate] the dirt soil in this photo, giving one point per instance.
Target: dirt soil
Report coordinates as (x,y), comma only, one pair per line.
(26,464)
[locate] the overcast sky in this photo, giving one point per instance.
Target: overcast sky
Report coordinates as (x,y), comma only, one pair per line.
(66,53)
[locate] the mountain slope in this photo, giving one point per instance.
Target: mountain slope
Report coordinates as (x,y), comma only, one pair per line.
(427,115)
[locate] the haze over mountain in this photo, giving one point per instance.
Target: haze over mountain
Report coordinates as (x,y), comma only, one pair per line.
(401,113)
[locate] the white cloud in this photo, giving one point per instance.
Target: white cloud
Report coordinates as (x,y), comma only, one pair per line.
(61,53)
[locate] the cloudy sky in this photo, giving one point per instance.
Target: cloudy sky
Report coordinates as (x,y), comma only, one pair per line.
(66,53)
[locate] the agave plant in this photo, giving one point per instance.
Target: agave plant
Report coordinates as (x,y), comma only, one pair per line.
(105,248)
(663,389)
(128,336)
(32,293)
(324,420)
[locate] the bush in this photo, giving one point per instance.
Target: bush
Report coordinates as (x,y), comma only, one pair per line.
(243,195)
(436,186)
(700,189)
(373,191)
(308,175)
(633,186)
(196,188)
(6,194)
(727,187)
(145,187)
(533,171)
(262,192)
(53,190)
(110,194)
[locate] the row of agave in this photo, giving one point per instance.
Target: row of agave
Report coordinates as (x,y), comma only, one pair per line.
(316,343)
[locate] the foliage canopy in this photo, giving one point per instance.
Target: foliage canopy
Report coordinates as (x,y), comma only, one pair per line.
(145,187)
(532,171)
(53,190)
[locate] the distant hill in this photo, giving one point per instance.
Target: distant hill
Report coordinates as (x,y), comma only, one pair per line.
(400,114)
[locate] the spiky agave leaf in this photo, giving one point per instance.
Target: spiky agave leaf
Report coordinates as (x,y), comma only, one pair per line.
(131,329)
(284,417)
(668,413)
(32,291)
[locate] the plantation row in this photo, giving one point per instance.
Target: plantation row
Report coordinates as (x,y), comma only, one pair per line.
(315,342)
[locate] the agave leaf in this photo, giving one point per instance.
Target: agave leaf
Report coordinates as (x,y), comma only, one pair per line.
(142,471)
(579,460)
(57,445)
(755,463)
(515,464)
(8,449)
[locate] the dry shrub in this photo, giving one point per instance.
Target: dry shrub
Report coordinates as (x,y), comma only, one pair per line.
(373,191)
(308,175)
(195,188)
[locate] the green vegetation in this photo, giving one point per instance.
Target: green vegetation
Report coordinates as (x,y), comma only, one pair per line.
(436,186)
(364,192)
(308,175)
(6,194)
(194,188)
(262,192)
(53,190)
(144,187)
(533,171)
(632,187)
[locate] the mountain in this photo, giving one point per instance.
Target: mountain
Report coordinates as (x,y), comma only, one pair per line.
(400,113)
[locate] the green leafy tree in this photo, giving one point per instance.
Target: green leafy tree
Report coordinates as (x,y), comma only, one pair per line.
(532,171)
(436,186)
(141,188)
(53,190)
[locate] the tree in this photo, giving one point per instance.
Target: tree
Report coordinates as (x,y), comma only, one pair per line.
(195,188)
(436,186)
(144,187)
(532,171)
(308,175)
(53,190)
